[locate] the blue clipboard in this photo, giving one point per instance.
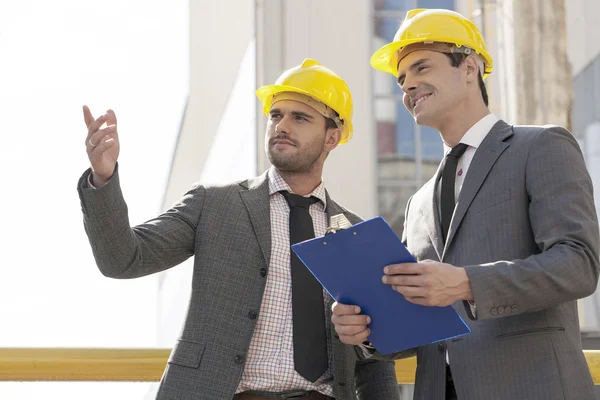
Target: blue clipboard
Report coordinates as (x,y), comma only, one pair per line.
(349,265)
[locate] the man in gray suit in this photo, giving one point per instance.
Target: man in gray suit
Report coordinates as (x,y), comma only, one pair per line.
(506,231)
(258,324)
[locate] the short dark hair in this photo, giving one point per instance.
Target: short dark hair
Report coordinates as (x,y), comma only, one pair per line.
(330,123)
(458,58)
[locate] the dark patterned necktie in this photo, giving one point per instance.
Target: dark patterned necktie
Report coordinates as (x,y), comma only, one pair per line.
(447,197)
(308,310)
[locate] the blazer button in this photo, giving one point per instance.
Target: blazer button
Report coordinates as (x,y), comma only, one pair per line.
(441,347)
(239,359)
(252,314)
(514,308)
(494,311)
(507,310)
(500,310)
(263,272)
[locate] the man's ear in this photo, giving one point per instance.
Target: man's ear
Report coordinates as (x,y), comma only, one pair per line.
(471,66)
(332,138)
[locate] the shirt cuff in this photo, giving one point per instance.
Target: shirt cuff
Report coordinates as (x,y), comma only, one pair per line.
(89,182)
(366,350)
(473,308)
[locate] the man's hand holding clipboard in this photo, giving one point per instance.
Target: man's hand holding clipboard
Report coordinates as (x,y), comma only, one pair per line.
(371,305)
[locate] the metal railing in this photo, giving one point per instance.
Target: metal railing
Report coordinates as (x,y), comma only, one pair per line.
(136,365)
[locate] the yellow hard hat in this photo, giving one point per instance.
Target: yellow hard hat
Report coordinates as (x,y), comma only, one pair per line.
(317,82)
(430,26)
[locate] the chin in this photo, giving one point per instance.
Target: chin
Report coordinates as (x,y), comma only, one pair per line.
(424,119)
(281,162)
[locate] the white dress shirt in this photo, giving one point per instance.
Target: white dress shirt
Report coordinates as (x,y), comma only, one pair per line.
(473,138)
(270,359)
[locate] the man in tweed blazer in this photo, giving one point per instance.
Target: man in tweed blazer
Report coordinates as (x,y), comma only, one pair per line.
(518,244)
(237,338)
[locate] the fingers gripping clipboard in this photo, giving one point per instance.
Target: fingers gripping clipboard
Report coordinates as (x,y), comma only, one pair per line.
(349,265)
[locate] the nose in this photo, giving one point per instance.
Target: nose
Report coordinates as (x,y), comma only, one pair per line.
(283,126)
(409,85)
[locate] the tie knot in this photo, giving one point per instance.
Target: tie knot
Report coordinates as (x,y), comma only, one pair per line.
(458,150)
(295,200)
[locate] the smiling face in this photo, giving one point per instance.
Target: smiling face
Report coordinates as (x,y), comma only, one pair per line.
(433,88)
(297,138)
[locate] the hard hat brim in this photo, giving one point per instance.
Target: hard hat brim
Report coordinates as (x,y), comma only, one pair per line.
(265,92)
(385,59)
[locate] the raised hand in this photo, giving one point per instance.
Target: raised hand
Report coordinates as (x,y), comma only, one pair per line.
(102,145)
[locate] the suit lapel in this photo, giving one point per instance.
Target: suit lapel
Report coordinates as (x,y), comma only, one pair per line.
(485,157)
(429,209)
(256,199)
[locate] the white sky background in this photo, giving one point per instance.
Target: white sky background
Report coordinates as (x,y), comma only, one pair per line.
(55,56)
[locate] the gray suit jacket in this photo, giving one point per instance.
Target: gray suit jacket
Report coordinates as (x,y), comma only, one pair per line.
(228,231)
(526,230)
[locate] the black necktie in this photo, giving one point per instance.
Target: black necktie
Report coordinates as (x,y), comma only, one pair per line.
(447,197)
(308,310)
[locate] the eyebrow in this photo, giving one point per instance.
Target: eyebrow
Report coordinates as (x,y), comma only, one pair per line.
(412,67)
(294,113)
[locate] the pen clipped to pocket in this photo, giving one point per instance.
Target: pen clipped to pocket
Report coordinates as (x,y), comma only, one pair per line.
(337,223)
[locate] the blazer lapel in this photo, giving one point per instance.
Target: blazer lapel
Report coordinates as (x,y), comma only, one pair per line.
(485,157)
(256,199)
(429,210)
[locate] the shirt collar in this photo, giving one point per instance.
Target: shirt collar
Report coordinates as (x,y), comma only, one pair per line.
(475,135)
(277,184)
